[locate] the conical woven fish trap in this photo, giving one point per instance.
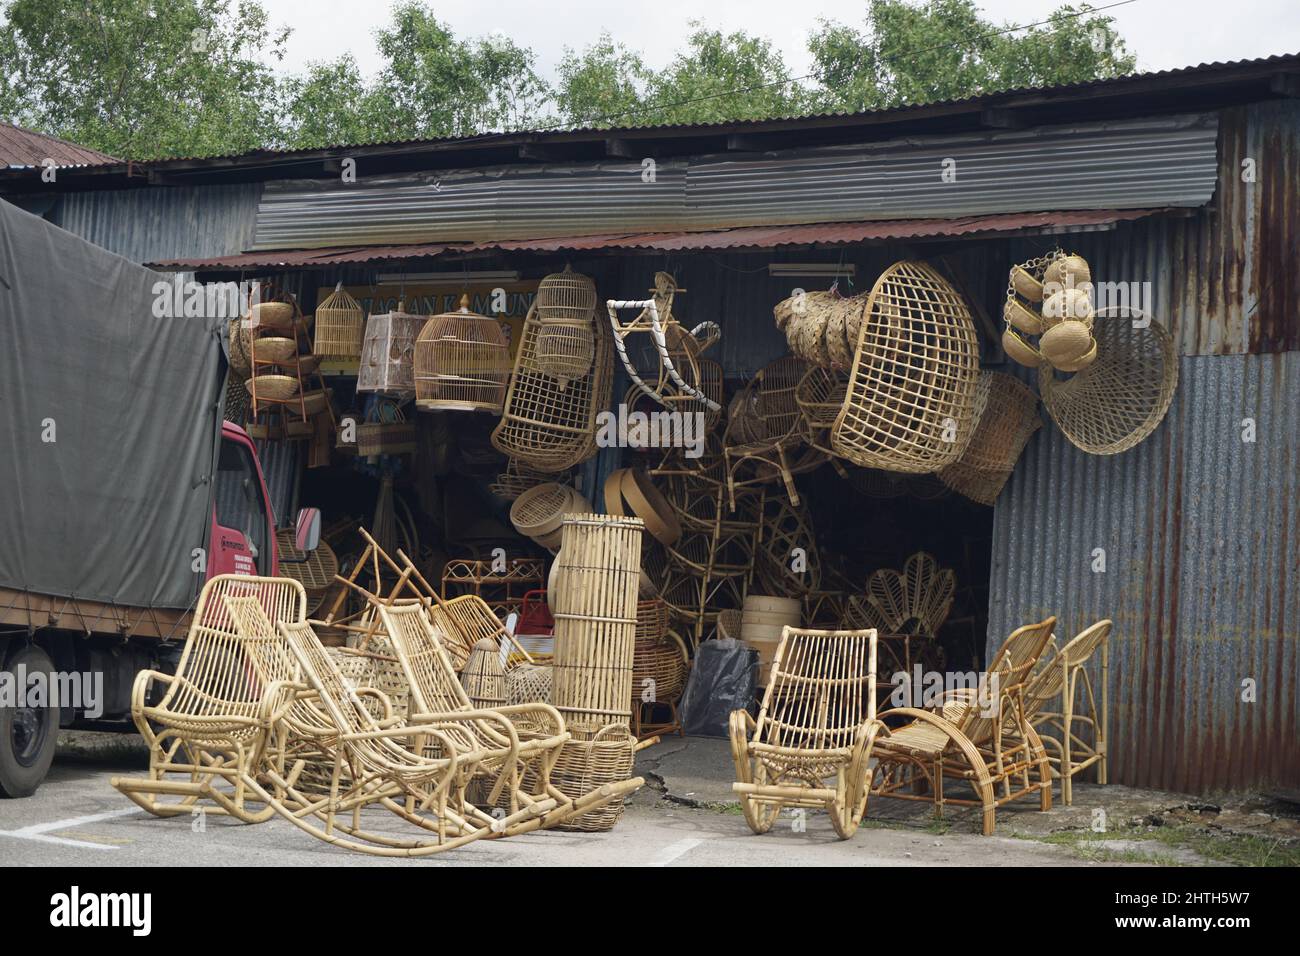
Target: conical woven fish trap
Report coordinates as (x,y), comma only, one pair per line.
(910,405)
(483,676)
(388,353)
(1008,417)
(462,363)
(1122,397)
(820,396)
(340,326)
(546,427)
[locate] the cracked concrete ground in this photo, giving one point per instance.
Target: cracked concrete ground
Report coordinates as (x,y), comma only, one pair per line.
(685,816)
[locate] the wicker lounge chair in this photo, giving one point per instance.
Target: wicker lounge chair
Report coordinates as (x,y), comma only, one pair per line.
(816,725)
(215,724)
(981,736)
(1057,682)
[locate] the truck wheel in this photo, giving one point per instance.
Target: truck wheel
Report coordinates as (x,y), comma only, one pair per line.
(27,734)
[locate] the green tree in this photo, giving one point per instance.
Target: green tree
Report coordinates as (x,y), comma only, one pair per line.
(603,84)
(331,104)
(944,49)
(141,78)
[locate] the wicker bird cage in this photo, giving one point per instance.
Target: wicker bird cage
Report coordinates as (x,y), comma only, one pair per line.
(388,353)
(595,620)
(910,405)
(546,427)
(566,341)
(483,676)
(1008,418)
(462,363)
(340,326)
(1121,398)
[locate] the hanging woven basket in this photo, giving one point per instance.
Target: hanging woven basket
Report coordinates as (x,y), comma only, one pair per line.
(1121,397)
(1008,418)
(340,326)
(462,363)
(910,404)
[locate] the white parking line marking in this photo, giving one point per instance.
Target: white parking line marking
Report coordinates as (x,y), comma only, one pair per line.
(673,851)
(39,832)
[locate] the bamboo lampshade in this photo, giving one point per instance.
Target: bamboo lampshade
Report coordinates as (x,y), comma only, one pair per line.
(596,620)
(910,405)
(462,363)
(483,676)
(340,326)
(388,353)
(1121,398)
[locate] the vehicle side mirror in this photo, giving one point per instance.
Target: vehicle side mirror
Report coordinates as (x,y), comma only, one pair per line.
(307,529)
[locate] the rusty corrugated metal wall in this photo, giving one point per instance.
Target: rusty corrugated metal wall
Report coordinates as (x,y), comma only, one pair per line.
(1200,528)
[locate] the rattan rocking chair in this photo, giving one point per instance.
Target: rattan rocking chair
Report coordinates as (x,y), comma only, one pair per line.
(817,723)
(216,723)
(1057,682)
(981,736)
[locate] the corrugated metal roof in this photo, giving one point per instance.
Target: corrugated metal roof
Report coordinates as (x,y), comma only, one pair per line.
(545,134)
(748,237)
(25,147)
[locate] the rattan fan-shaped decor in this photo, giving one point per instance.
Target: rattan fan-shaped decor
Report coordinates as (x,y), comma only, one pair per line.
(1008,417)
(915,600)
(462,363)
(483,676)
(566,342)
(910,405)
(388,353)
(546,427)
(1122,397)
(340,326)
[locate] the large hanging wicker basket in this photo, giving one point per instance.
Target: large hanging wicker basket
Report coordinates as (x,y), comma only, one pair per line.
(1121,398)
(340,326)
(1008,417)
(910,405)
(462,363)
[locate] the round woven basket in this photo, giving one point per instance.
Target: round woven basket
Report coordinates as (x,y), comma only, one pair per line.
(1022,317)
(1026,284)
(1066,342)
(910,404)
(591,759)
(1120,399)
(658,669)
(540,510)
(1067,271)
(272,387)
(272,315)
(275,348)
(1020,351)
(1066,304)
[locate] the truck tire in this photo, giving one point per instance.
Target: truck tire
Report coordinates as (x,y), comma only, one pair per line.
(28,735)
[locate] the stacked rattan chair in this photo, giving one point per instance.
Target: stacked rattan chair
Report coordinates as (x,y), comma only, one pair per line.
(1073,727)
(981,736)
(462,363)
(910,404)
(544,426)
(811,744)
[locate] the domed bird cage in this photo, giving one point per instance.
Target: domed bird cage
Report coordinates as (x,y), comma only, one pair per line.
(340,326)
(388,352)
(566,342)
(910,405)
(462,363)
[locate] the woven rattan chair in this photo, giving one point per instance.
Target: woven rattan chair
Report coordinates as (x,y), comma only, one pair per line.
(215,723)
(811,744)
(981,736)
(1057,682)
(519,743)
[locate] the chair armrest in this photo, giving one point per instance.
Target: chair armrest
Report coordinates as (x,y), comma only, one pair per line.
(384,701)
(508,732)
(141,685)
(552,720)
(276,700)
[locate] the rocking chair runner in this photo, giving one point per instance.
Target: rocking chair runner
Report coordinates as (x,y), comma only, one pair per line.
(217,719)
(982,736)
(817,722)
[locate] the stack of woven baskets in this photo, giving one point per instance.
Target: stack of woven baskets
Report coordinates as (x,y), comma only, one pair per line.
(821,327)
(1049,313)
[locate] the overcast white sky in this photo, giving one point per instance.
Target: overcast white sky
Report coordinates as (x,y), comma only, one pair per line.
(1164,33)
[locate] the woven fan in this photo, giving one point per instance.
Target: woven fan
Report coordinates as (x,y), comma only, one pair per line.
(915,600)
(1122,397)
